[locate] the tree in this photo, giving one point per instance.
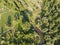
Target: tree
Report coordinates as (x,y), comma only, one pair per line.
(9,21)
(17,16)
(50,21)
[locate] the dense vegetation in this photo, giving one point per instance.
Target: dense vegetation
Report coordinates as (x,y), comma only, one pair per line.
(29,22)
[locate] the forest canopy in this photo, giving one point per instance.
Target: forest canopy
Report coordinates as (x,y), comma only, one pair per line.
(29,22)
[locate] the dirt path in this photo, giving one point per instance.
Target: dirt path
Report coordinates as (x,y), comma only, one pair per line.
(38,31)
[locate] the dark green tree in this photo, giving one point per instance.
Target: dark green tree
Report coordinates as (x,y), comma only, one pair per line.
(17,16)
(9,21)
(50,21)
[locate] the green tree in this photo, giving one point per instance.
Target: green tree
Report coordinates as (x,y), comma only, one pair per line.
(17,16)
(9,21)
(50,21)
